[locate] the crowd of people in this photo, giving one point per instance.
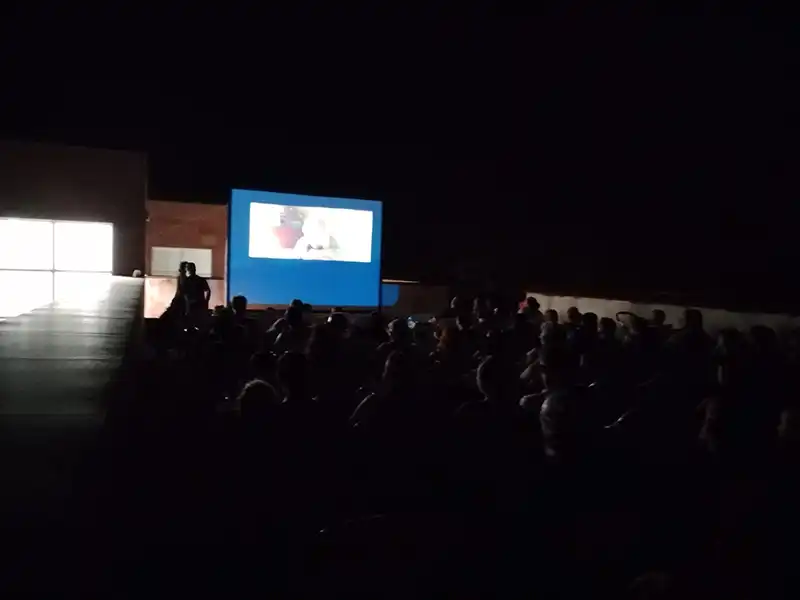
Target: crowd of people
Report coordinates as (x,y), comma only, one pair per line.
(511,449)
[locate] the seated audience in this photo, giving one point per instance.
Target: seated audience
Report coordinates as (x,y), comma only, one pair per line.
(586,451)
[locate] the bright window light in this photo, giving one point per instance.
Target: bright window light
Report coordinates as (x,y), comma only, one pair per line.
(23,291)
(31,249)
(80,290)
(26,244)
(84,246)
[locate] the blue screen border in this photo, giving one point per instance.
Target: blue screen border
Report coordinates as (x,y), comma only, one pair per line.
(255,191)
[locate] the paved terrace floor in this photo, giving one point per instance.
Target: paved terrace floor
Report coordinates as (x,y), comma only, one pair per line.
(58,365)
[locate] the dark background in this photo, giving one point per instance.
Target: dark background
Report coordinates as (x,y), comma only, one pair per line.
(585,154)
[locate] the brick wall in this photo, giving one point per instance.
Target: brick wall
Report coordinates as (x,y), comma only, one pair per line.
(186,225)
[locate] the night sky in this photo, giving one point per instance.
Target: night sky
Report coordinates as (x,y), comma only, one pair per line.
(624,157)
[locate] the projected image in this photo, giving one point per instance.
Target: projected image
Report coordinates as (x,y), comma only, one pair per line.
(324,250)
(310,233)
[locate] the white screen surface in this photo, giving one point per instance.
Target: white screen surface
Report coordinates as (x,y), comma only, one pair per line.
(310,233)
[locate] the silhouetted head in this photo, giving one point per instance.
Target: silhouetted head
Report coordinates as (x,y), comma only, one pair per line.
(322,344)
(191,268)
(551,316)
(239,305)
(292,373)
(449,338)
(730,341)
(735,427)
(400,368)
(297,302)
(399,331)
(608,327)
(480,307)
(573,315)
(589,321)
(638,325)
(424,334)
(552,334)
(279,325)
(294,316)
(338,322)
(659,317)
(732,360)
(222,315)
(464,322)
(532,304)
(182,267)
(496,379)
(256,399)
(555,364)
(693,319)
(564,421)
(377,322)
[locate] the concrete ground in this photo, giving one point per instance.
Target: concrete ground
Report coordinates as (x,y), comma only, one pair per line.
(60,366)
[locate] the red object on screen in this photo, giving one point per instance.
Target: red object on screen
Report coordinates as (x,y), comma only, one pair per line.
(287,235)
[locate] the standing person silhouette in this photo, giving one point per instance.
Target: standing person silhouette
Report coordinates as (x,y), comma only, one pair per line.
(175,313)
(177,306)
(196,294)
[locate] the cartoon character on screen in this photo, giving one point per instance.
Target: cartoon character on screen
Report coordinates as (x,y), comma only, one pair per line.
(290,229)
(316,243)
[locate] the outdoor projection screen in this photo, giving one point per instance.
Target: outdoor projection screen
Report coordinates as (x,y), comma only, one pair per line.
(324,251)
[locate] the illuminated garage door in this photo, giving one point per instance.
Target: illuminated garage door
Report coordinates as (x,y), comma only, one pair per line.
(52,261)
